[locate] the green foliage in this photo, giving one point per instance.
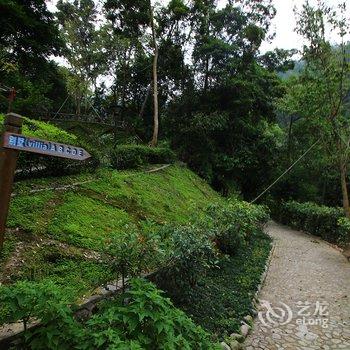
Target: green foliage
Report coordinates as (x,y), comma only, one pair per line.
(115,212)
(30,211)
(236,224)
(74,273)
(167,196)
(135,252)
(232,227)
(86,222)
(146,321)
(44,302)
(106,202)
(68,269)
(223,296)
(24,300)
(133,156)
(316,219)
(42,130)
(343,231)
(189,254)
(28,36)
(314,107)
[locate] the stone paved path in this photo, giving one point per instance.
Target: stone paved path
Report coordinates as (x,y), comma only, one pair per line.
(312,279)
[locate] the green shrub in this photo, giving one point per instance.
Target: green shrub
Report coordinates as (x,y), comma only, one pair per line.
(192,251)
(135,252)
(26,300)
(147,321)
(31,163)
(133,156)
(344,231)
(325,222)
(141,318)
(189,253)
(235,224)
(223,295)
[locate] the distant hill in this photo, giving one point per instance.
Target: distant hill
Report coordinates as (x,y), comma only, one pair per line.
(298,67)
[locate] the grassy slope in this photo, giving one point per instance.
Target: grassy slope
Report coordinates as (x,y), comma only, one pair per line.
(108,201)
(53,232)
(86,216)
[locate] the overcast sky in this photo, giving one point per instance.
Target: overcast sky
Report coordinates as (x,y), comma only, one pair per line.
(283,23)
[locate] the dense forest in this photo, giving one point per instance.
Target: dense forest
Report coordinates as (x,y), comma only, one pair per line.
(189,123)
(191,74)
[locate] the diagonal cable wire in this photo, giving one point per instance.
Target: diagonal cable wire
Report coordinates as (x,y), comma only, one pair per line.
(286,171)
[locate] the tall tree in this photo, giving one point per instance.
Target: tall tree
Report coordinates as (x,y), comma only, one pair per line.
(84,45)
(28,37)
(155,80)
(28,32)
(225,116)
(321,94)
(128,60)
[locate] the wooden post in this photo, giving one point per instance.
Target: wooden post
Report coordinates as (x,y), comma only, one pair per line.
(11,98)
(8,159)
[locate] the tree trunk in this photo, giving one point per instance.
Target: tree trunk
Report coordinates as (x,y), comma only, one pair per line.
(155,84)
(343,175)
(142,111)
(290,138)
(122,111)
(115,114)
(78,107)
(206,75)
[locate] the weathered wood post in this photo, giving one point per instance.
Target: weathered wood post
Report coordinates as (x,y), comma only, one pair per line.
(8,159)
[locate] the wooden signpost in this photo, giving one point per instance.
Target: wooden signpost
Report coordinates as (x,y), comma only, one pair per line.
(12,142)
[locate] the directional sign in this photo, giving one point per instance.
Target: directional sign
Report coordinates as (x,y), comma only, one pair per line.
(29,144)
(13,142)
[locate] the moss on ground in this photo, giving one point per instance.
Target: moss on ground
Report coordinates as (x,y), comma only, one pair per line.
(86,222)
(74,273)
(87,215)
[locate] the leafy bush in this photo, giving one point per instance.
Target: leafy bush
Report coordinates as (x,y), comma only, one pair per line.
(141,318)
(135,252)
(133,156)
(223,296)
(326,222)
(191,251)
(30,163)
(190,254)
(24,301)
(235,224)
(343,231)
(147,321)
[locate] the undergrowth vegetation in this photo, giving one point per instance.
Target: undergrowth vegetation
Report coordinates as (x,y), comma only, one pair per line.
(133,156)
(137,222)
(107,212)
(140,318)
(223,296)
(77,233)
(212,282)
(329,223)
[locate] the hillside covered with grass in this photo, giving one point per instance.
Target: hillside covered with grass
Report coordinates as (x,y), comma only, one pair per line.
(86,211)
(70,235)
